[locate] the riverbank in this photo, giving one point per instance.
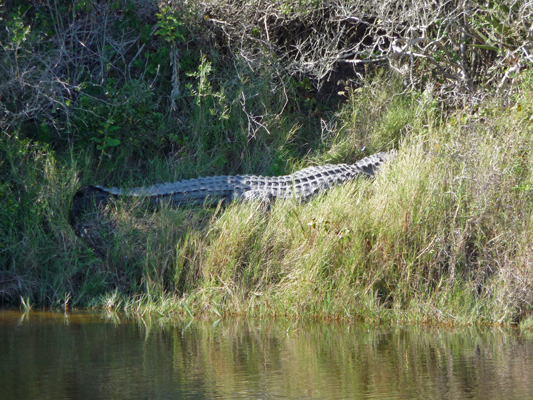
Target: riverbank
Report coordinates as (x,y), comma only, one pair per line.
(441,236)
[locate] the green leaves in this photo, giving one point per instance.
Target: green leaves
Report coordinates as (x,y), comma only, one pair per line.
(17,30)
(170,25)
(106,142)
(495,26)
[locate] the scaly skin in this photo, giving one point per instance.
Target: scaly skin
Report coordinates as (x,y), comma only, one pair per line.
(220,189)
(301,185)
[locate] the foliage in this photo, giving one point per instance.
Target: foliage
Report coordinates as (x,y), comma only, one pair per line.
(134,92)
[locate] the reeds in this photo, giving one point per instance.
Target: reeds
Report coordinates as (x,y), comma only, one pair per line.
(440,236)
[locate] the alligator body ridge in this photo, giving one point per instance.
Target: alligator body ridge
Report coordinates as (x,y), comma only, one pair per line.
(302,185)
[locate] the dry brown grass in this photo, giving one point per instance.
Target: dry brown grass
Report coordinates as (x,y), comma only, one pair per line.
(442,235)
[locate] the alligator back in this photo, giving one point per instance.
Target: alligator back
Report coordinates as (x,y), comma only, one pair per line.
(301,185)
(222,189)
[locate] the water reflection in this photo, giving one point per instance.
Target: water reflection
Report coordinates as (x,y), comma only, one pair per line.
(53,355)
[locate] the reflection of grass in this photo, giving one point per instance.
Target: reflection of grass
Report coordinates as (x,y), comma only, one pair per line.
(26,304)
(261,358)
(340,361)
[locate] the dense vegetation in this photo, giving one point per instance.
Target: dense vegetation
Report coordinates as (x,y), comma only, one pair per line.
(133,92)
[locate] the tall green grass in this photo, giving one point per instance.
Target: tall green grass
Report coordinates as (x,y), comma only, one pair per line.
(442,235)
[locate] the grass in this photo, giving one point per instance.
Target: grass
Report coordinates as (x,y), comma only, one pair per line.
(441,236)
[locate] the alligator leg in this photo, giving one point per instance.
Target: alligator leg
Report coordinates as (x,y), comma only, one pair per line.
(266,199)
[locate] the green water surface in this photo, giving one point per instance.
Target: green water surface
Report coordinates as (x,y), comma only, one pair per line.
(45,355)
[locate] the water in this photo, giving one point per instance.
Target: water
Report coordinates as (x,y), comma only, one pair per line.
(97,356)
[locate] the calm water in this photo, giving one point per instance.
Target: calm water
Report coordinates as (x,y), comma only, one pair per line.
(94,356)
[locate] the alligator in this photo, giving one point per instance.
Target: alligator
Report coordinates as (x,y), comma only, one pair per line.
(301,185)
(212,191)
